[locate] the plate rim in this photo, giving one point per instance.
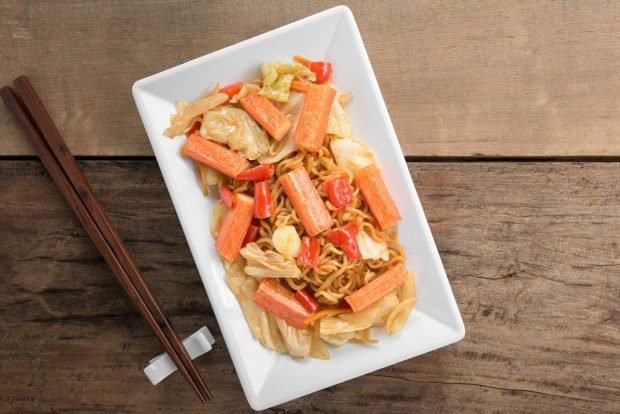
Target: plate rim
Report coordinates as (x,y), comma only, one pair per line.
(254,399)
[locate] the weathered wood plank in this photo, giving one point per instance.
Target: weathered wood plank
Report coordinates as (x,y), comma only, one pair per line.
(531,251)
(460,78)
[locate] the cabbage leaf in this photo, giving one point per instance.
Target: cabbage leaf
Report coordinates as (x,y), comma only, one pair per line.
(237,129)
(277,78)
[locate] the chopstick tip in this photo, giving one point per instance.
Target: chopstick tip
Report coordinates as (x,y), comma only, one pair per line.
(9,96)
(6,89)
(21,78)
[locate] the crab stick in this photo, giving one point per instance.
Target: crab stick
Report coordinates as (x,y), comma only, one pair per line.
(267,115)
(214,155)
(280,302)
(306,201)
(235,226)
(300,86)
(312,124)
(372,186)
(367,295)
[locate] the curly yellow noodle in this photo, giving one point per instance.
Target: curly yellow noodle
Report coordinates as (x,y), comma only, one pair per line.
(335,276)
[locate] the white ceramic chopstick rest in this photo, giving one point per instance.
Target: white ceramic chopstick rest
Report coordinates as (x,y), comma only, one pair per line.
(196,344)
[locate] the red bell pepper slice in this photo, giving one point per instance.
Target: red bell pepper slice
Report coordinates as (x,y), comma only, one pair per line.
(307,300)
(258,173)
(344,237)
(231,90)
(339,191)
(195,127)
(322,70)
(309,252)
(263,204)
(252,233)
(227,196)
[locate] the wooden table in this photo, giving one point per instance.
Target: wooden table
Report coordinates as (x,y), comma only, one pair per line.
(509,115)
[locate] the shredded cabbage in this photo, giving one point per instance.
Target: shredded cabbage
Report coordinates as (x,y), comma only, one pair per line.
(341,328)
(179,106)
(234,276)
(217,218)
(189,112)
(292,107)
(262,325)
(268,264)
(214,177)
(208,177)
(297,341)
(243,288)
(400,315)
(275,335)
(246,89)
(370,248)
(277,78)
(338,339)
(364,337)
(318,348)
(339,123)
(237,129)
(352,154)
(344,337)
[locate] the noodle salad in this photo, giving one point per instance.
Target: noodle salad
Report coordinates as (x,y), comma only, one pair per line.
(304,224)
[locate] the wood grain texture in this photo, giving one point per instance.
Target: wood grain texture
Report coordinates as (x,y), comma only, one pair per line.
(460,78)
(531,251)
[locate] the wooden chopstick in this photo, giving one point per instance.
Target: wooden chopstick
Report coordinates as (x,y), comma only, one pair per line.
(75,197)
(73,185)
(56,143)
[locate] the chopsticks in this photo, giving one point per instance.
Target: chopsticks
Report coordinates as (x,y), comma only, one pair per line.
(64,170)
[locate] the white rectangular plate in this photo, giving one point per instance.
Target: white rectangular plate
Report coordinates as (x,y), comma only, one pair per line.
(268,378)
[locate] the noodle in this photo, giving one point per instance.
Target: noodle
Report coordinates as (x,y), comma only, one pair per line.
(335,276)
